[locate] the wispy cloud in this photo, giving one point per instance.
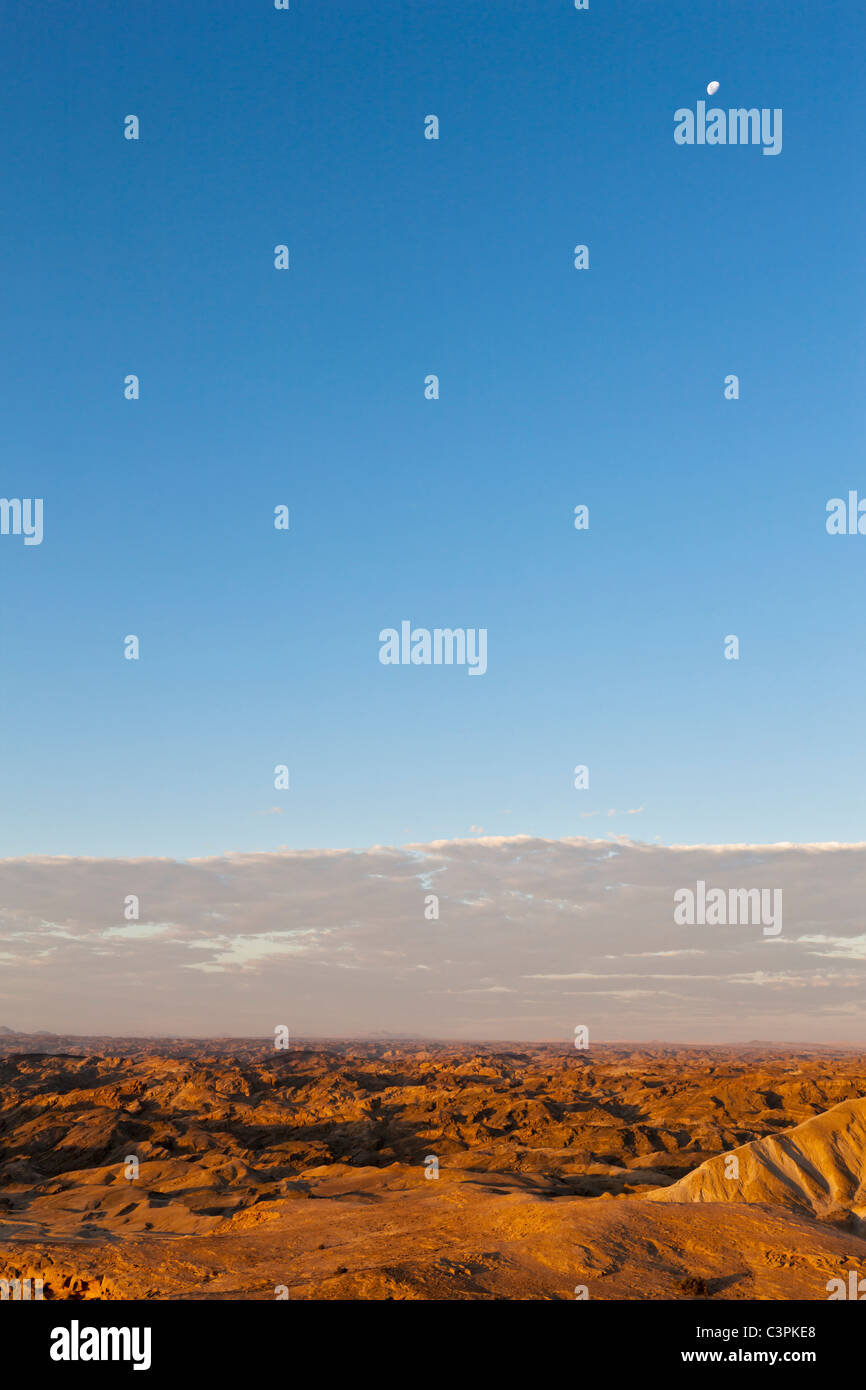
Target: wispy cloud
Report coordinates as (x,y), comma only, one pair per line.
(340,942)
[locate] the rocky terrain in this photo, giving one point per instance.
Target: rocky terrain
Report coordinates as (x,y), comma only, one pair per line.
(817,1167)
(397,1169)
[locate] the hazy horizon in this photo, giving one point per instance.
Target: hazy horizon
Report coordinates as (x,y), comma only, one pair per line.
(385,1037)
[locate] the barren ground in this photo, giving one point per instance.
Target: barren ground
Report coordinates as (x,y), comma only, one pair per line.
(305,1170)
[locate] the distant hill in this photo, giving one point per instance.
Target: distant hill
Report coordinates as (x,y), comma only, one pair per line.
(819,1165)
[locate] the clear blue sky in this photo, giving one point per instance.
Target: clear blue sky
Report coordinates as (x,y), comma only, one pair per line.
(558,387)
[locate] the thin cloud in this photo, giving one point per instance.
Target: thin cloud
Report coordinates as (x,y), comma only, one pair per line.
(343,942)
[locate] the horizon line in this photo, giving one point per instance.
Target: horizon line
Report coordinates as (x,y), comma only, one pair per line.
(566,1043)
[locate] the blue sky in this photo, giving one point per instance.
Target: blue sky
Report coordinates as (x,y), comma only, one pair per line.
(558,387)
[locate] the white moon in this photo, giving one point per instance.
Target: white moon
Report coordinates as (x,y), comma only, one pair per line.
(712,89)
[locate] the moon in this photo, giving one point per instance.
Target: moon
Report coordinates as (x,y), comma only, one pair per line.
(712,89)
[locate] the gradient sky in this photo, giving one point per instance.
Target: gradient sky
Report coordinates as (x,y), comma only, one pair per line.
(412,257)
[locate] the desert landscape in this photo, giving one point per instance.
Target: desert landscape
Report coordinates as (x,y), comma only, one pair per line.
(399,1169)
